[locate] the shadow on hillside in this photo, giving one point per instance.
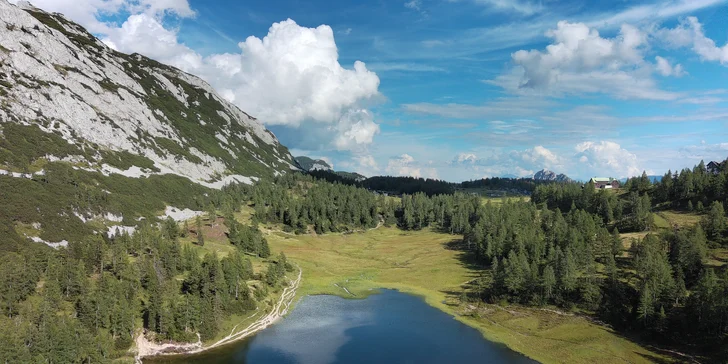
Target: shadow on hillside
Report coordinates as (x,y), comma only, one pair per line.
(465,255)
(467,258)
(674,356)
(655,359)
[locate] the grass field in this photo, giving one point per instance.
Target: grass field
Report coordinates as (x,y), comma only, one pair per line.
(717,257)
(423,263)
(501,200)
(660,222)
(679,218)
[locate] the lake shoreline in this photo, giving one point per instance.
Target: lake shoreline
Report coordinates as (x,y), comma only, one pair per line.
(148,349)
(334,329)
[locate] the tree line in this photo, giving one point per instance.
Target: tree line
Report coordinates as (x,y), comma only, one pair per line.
(564,248)
(428,186)
(85,302)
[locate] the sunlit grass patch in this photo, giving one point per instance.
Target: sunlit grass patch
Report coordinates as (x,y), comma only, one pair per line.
(681,219)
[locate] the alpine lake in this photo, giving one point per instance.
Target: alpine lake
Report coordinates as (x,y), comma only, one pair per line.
(389,327)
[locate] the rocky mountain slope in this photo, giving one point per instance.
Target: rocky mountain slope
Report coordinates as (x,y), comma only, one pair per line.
(546,175)
(119,113)
(93,141)
(309,164)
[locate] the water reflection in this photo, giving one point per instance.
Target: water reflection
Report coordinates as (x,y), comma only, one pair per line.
(391,327)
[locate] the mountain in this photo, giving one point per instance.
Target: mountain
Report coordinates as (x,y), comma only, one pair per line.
(93,140)
(546,175)
(351,175)
(320,168)
(309,164)
(119,113)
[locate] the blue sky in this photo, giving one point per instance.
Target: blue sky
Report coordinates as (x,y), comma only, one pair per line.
(454,89)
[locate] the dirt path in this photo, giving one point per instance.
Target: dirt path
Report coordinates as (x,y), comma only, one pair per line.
(146,348)
(279,310)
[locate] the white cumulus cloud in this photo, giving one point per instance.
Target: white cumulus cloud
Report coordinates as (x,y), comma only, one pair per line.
(518,163)
(689,33)
(355,130)
(577,47)
(144,34)
(664,67)
(406,165)
(540,156)
(579,60)
(465,158)
(87,12)
(606,159)
(293,75)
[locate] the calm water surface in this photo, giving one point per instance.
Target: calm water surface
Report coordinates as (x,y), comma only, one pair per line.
(390,327)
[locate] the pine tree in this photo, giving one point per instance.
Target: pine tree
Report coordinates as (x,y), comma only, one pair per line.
(212,215)
(616,243)
(646,309)
(549,282)
(568,272)
(610,268)
(715,222)
(200,235)
(515,275)
(208,322)
(661,324)
(264,251)
(171,229)
(680,289)
(185,230)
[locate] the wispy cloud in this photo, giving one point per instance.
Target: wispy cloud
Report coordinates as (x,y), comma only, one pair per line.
(405,67)
(536,20)
(517,6)
(509,107)
(414,5)
(653,11)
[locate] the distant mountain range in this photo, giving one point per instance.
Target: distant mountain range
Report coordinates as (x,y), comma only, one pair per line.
(316,165)
(546,175)
(351,175)
(310,164)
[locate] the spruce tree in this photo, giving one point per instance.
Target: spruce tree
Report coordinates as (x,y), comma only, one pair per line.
(610,268)
(264,251)
(549,282)
(645,310)
(185,230)
(715,222)
(211,214)
(617,246)
(200,235)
